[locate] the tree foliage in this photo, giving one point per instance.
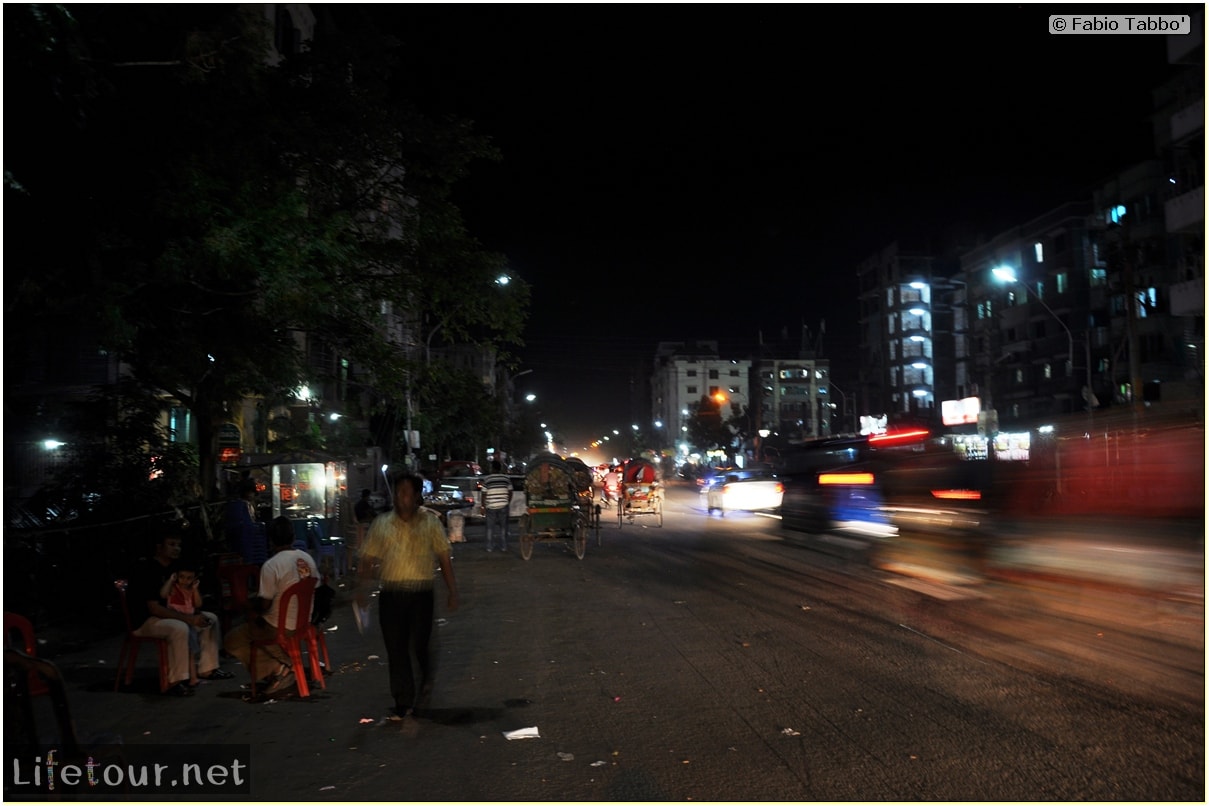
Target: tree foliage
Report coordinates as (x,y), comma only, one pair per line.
(193,210)
(706,428)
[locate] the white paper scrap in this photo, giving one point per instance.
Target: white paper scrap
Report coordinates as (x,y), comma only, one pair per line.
(362,617)
(522,733)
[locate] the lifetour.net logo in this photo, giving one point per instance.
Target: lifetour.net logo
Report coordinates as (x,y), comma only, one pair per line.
(117,771)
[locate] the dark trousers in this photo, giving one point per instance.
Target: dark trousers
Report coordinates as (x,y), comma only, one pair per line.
(406,618)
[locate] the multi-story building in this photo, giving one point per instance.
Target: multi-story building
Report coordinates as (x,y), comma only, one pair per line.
(795,397)
(1031,340)
(1179,127)
(898,372)
(686,372)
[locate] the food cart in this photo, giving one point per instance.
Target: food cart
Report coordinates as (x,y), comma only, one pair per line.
(311,489)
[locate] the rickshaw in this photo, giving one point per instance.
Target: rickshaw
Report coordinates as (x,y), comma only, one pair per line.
(553,510)
(585,493)
(641,492)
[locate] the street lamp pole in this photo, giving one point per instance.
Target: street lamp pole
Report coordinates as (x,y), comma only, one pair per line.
(1008,275)
(844,398)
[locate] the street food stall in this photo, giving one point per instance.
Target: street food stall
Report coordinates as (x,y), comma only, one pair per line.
(311,489)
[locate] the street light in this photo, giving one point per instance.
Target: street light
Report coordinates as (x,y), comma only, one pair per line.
(844,411)
(1006,274)
(727,397)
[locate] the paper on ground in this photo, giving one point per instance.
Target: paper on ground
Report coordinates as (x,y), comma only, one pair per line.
(522,733)
(361,614)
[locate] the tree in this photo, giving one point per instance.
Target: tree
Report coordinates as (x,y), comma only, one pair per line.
(226,215)
(706,429)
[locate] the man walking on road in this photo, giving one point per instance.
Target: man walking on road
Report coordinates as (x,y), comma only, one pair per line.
(497,501)
(400,550)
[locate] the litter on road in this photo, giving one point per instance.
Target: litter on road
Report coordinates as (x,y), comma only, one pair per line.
(522,733)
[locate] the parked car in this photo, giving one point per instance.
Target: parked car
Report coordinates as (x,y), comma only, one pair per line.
(751,492)
(458,469)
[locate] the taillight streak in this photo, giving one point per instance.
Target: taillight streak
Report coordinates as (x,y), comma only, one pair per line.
(845,478)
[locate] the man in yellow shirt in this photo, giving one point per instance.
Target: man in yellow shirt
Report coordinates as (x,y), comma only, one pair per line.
(401,551)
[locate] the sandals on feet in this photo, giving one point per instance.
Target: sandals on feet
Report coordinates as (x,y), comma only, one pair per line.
(218,674)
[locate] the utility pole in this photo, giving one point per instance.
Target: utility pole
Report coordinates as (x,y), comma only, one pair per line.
(1131,328)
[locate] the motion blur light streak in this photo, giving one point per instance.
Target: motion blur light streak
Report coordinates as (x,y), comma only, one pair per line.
(845,478)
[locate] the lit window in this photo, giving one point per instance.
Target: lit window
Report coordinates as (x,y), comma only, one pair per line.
(1060,280)
(1039,252)
(1019,376)
(1048,371)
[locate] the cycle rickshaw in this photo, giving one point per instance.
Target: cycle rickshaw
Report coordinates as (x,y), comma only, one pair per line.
(552,510)
(641,492)
(585,493)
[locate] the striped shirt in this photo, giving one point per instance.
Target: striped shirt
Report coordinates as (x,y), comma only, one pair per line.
(497,491)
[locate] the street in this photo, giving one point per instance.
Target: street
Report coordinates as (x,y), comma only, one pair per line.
(711,659)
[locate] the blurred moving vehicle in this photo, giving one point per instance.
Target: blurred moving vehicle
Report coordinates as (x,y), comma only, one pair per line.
(714,475)
(871,486)
(757,492)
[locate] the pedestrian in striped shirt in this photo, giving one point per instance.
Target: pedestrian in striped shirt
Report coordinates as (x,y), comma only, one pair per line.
(497,501)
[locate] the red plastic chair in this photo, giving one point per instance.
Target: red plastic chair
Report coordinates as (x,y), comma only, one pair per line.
(302,592)
(237,582)
(131,644)
(19,627)
(317,644)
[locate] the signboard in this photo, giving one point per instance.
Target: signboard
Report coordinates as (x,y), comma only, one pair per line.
(960,412)
(229,456)
(229,436)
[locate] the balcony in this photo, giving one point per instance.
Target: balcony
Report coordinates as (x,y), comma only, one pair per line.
(1186,212)
(1188,298)
(1183,49)
(913,306)
(1188,121)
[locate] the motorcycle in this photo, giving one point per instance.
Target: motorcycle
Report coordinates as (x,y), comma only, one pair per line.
(610,490)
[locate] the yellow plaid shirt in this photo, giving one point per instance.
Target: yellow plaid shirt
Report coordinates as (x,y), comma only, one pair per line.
(407,551)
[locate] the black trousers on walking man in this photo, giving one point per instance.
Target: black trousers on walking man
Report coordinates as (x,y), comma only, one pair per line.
(406,617)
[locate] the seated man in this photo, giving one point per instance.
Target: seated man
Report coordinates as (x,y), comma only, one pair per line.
(283,569)
(149,609)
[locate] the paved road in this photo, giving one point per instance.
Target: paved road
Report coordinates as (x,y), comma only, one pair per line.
(711,659)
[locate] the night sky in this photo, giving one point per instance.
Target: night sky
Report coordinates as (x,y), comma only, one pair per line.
(682,172)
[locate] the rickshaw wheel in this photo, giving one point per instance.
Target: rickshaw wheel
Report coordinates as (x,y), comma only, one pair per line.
(659,513)
(526,537)
(596,526)
(581,539)
(620,512)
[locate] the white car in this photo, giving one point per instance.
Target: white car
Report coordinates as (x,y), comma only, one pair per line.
(756,493)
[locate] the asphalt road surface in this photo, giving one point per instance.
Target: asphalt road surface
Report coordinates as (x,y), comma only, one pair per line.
(710,659)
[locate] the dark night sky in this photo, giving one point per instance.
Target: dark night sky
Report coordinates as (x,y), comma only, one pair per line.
(710,171)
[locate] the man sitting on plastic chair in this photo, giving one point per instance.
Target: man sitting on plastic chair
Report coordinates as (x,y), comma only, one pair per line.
(283,569)
(149,610)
